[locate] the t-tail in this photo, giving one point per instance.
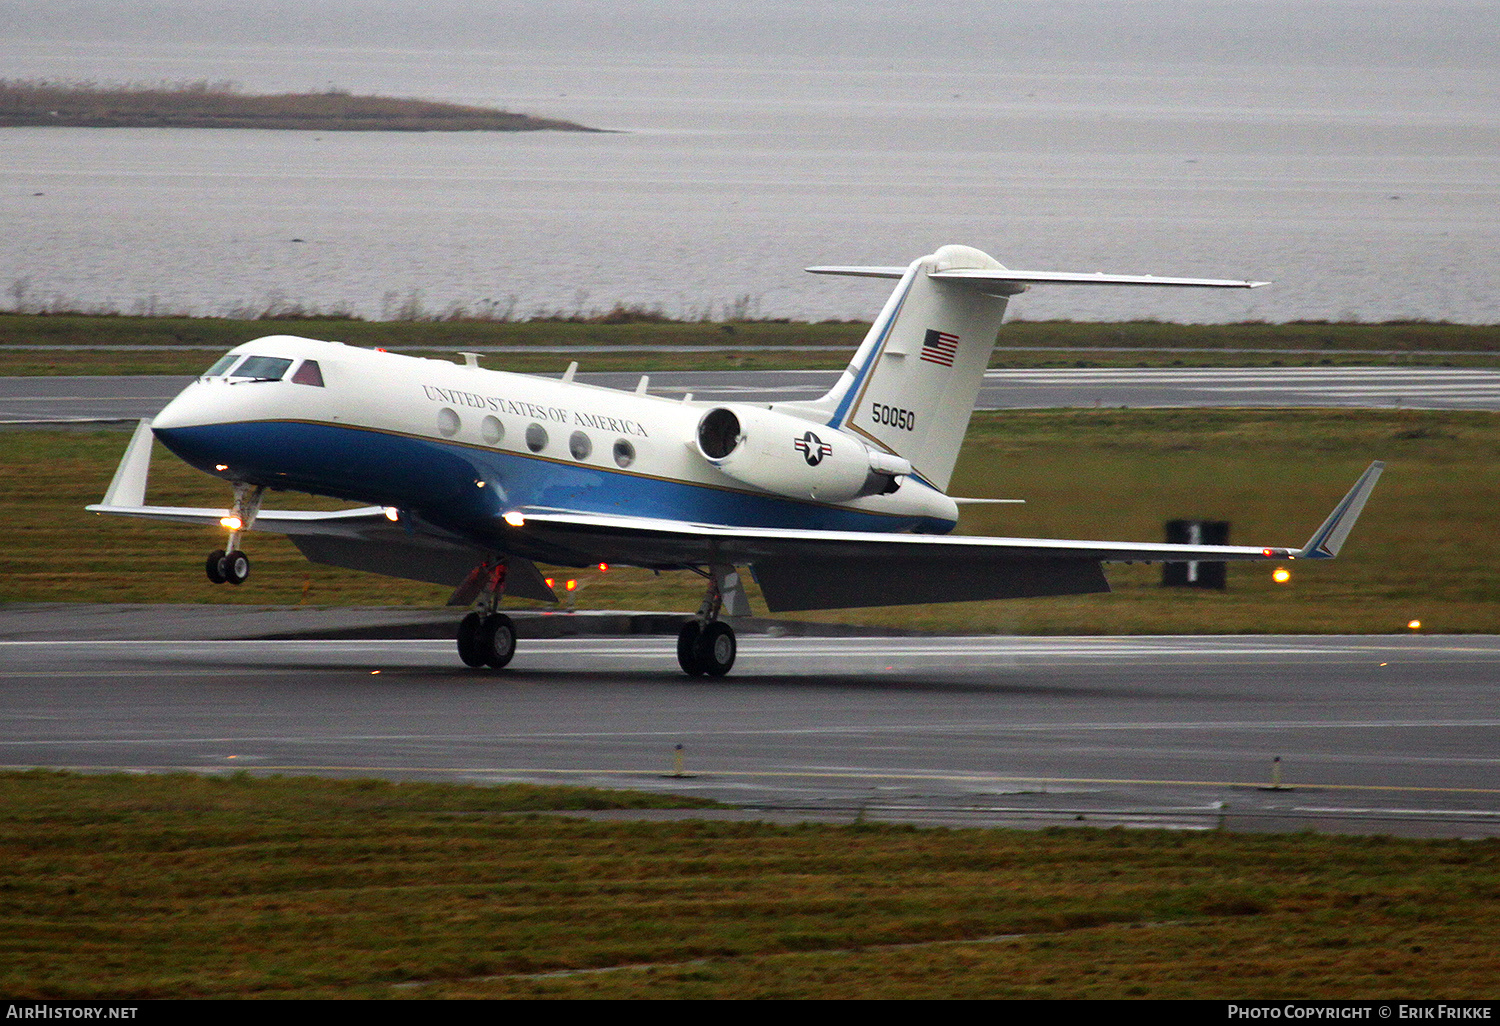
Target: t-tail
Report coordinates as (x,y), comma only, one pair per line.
(912,384)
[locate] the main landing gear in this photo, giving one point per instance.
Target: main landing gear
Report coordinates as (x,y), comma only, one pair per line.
(706,644)
(488,638)
(229,565)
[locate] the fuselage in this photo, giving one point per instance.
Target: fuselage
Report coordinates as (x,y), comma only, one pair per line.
(461,445)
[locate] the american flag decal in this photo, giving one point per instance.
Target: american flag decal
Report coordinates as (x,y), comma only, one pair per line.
(939,347)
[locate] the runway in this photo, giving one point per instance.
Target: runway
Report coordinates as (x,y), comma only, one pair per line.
(1374,734)
(37,400)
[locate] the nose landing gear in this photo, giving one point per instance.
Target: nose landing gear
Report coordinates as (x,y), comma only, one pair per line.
(231,568)
(229,564)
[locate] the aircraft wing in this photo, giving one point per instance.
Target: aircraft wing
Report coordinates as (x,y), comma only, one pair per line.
(800,569)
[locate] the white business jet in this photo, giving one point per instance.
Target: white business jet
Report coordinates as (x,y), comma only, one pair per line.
(468,477)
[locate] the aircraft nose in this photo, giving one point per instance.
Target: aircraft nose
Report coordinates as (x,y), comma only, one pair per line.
(187,409)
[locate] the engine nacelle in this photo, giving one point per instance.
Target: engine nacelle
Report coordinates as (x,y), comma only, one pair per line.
(793,457)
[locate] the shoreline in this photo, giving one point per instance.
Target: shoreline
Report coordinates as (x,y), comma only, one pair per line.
(28,104)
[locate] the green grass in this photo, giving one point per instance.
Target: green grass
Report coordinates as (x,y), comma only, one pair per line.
(1426,547)
(135,887)
(1152,343)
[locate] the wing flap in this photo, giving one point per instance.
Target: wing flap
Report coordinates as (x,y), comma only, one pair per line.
(790,584)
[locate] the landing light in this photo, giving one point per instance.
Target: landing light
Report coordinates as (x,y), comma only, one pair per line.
(1281,575)
(1415,625)
(221,466)
(233,523)
(392,514)
(514,518)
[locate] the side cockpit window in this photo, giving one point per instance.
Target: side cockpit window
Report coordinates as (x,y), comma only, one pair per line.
(262,368)
(221,365)
(309,374)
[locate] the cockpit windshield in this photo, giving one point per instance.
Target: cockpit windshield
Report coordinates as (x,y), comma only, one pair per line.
(221,365)
(262,368)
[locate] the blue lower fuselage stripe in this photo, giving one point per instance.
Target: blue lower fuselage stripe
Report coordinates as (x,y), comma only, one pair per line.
(464,485)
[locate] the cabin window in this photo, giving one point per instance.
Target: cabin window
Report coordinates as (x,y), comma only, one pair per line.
(624,452)
(580,446)
(262,368)
(221,365)
(448,422)
(492,430)
(536,437)
(309,374)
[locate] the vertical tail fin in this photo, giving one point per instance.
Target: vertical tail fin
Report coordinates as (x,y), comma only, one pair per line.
(913,382)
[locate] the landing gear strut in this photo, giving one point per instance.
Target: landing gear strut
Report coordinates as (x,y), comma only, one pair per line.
(706,644)
(229,564)
(488,638)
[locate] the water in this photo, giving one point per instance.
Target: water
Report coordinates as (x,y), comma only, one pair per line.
(1363,192)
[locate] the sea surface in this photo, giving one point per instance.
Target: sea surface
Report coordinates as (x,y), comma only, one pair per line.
(1363,192)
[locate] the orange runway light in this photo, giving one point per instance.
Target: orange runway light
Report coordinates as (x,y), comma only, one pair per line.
(571,585)
(1281,575)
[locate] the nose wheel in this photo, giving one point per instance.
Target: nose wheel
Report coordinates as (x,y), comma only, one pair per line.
(227,568)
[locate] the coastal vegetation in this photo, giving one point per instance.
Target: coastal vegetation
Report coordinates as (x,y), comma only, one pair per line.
(176,886)
(204,104)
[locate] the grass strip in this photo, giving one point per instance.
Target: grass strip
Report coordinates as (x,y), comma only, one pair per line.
(1425,548)
(182,886)
(1020,344)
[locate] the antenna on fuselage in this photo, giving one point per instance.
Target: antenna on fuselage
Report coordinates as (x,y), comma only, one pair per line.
(568,374)
(470,359)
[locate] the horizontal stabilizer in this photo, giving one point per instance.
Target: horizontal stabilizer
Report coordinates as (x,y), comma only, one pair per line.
(1008,277)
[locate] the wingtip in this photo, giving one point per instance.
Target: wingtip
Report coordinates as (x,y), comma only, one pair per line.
(1329,538)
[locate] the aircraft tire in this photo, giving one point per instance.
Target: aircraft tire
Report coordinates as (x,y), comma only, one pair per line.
(235,567)
(687,649)
(716,648)
(468,640)
(497,640)
(215,566)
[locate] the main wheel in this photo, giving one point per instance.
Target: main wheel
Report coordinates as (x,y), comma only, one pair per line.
(215,566)
(497,639)
(235,567)
(687,649)
(468,640)
(716,648)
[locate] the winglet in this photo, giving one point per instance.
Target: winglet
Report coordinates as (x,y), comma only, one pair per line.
(129,485)
(1326,540)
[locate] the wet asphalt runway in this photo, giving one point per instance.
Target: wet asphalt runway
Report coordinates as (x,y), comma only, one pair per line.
(1384,734)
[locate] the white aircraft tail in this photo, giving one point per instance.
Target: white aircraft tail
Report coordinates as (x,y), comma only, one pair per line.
(911,386)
